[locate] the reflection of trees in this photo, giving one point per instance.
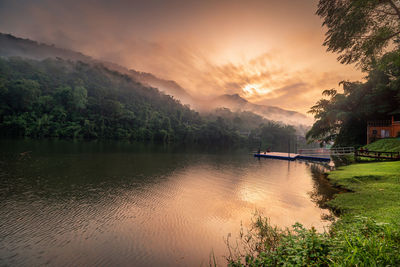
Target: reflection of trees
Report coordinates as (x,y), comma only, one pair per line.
(323,191)
(63,169)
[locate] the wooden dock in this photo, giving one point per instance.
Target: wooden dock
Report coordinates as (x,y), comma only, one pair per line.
(290,156)
(277,155)
(315,158)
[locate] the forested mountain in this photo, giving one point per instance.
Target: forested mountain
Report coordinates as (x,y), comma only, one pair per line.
(13,46)
(73,99)
(57,98)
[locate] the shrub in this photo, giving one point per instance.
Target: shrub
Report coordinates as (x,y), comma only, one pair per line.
(356,241)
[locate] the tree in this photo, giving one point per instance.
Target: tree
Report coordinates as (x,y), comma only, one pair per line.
(343,117)
(22,93)
(360,30)
(366,32)
(79,97)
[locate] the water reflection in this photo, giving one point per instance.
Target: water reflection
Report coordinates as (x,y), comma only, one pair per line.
(127,204)
(323,191)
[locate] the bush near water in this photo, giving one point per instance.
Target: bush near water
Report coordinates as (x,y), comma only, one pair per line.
(353,241)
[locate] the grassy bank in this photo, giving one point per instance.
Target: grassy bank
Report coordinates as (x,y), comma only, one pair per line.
(382,145)
(366,234)
(388,145)
(376,189)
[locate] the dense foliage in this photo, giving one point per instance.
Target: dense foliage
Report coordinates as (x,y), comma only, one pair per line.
(65,99)
(360,30)
(355,241)
(343,117)
(365,32)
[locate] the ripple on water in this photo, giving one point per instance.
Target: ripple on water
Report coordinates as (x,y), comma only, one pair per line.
(118,209)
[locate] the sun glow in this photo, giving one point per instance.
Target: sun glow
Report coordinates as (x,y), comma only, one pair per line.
(254,89)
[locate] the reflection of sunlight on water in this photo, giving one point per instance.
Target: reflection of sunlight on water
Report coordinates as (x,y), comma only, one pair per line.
(252,195)
(175,214)
(211,202)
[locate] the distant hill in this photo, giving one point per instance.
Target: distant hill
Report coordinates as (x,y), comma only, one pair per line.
(13,46)
(237,103)
(168,86)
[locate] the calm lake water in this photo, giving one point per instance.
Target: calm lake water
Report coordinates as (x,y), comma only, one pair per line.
(66,203)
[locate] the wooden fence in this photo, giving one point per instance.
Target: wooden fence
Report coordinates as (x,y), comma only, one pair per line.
(377,154)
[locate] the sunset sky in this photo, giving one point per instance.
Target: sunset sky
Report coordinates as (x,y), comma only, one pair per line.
(268,52)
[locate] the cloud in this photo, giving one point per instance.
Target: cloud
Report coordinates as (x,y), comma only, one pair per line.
(266,51)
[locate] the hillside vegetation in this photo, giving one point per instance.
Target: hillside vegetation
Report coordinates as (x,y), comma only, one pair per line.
(67,99)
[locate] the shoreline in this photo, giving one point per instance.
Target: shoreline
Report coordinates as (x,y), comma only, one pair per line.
(366,232)
(371,186)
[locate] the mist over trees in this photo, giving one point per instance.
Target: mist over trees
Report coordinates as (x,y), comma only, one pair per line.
(67,99)
(365,32)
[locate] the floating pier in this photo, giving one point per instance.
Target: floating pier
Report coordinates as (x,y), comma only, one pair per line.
(291,156)
(277,155)
(315,158)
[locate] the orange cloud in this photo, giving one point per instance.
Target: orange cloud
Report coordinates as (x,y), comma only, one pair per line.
(267,51)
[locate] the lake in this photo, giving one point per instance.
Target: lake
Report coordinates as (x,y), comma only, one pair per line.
(122,204)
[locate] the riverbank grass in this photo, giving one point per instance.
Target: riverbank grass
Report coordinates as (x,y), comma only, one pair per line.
(376,189)
(387,145)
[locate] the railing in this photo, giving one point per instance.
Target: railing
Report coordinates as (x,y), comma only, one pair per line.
(342,150)
(327,151)
(377,154)
(382,123)
(314,151)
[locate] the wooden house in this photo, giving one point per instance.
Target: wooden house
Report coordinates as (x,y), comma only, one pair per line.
(382,129)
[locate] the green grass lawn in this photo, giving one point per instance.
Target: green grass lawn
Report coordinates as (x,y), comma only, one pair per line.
(376,189)
(387,144)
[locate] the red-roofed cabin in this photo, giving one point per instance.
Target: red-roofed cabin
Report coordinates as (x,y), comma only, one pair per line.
(382,129)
